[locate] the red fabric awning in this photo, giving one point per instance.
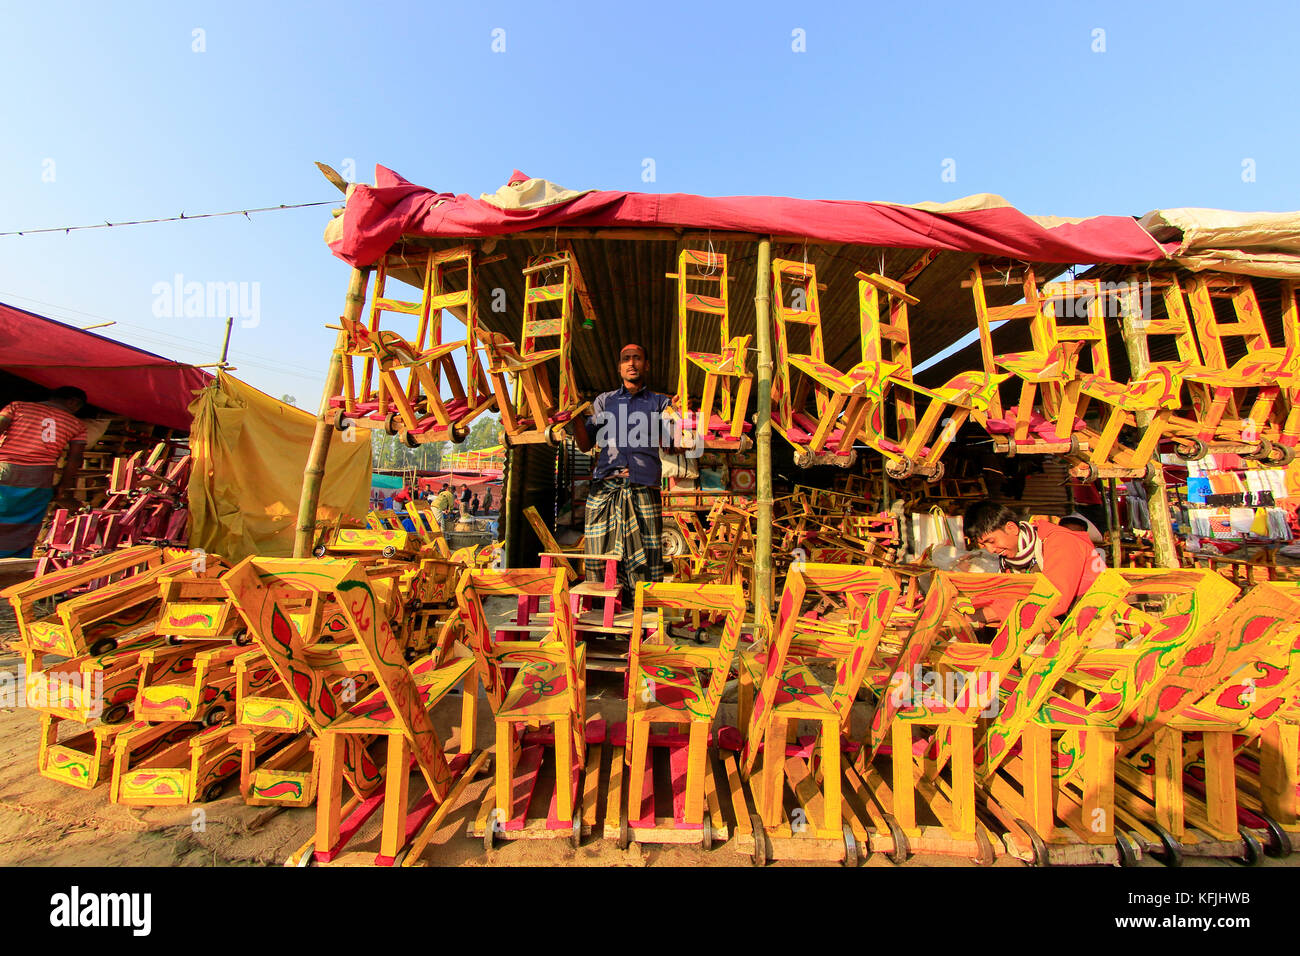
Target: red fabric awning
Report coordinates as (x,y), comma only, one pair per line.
(115,377)
(377,216)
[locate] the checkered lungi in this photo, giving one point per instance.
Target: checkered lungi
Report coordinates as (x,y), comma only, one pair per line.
(625,519)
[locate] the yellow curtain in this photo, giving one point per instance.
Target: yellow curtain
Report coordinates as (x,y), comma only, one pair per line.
(249,454)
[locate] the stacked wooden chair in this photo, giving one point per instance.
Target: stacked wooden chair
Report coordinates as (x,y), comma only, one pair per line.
(536,687)
(540,402)
(698,271)
(779,689)
(283,601)
(1072,711)
(944,690)
(400,389)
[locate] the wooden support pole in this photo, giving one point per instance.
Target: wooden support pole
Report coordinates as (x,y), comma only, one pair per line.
(1116,551)
(763,428)
(314,474)
(1162,530)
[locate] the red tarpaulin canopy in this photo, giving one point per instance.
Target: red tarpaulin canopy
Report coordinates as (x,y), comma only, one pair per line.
(376,216)
(115,377)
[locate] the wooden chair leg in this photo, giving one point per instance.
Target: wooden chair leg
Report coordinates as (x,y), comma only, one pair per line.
(638,744)
(329,798)
(1036,751)
(697,765)
(397,785)
(904,783)
(830,767)
(1220,784)
(563,770)
(772,774)
(469,711)
(962,759)
(1278,771)
(505,770)
(1169,781)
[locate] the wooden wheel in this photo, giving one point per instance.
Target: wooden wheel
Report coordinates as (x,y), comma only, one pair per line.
(1173,850)
(851,855)
(900,851)
(215,715)
(624,835)
(1198,450)
(707,837)
(116,714)
(986,855)
(103,646)
(1252,853)
(760,854)
(213,790)
(1128,851)
(900,469)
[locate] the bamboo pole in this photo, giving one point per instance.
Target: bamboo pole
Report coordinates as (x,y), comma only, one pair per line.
(1116,551)
(314,474)
(511,509)
(763,429)
(1162,531)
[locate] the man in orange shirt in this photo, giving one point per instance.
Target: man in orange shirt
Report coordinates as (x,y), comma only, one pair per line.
(32,437)
(1066,557)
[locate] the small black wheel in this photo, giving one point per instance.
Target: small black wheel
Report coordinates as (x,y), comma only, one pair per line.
(706,838)
(103,646)
(575,838)
(760,854)
(318,551)
(1252,853)
(241,637)
(213,790)
(1041,856)
(1198,449)
(1172,854)
(389,551)
(174,641)
(390,423)
(986,855)
(116,714)
(1128,851)
(900,852)
(851,857)
(409,655)
(1279,844)
(701,635)
(215,715)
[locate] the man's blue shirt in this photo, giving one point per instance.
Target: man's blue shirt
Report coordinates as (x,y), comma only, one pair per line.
(630,431)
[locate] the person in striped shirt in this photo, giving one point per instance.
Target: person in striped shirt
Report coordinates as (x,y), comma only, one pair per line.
(32,437)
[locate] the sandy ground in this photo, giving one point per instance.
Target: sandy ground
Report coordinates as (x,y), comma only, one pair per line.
(45,823)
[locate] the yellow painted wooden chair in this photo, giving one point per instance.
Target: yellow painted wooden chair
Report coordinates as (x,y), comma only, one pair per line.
(675,685)
(1181,773)
(702,297)
(271,595)
(538,405)
(415,407)
(548,687)
(945,689)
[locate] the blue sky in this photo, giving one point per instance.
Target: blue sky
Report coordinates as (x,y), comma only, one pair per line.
(112,114)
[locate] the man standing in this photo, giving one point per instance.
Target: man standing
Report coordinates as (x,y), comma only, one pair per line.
(624,514)
(445,502)
(32,437)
